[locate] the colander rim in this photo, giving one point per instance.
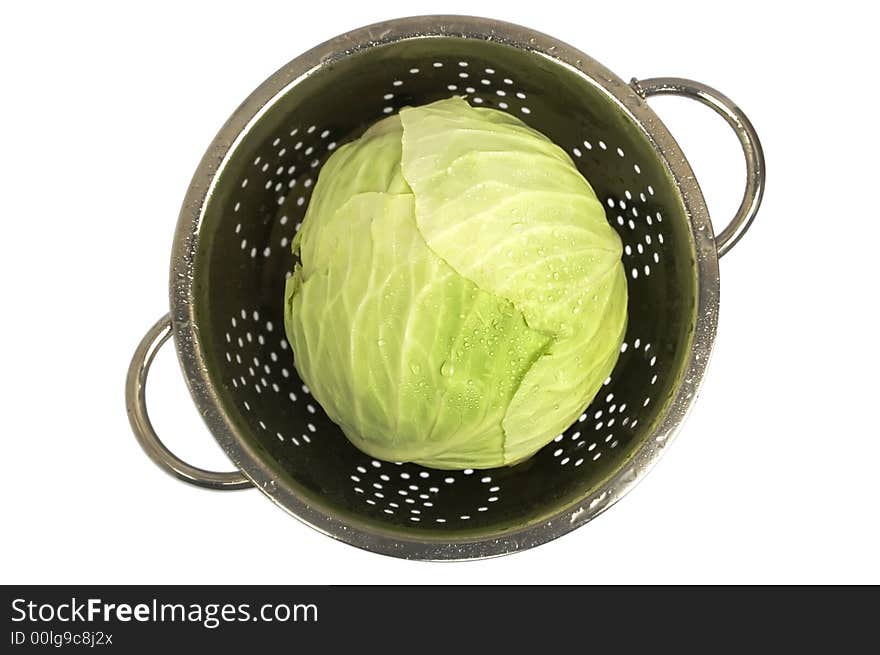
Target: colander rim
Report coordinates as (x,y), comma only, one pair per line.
(388,540)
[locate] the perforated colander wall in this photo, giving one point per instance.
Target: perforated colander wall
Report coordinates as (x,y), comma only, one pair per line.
(260,202)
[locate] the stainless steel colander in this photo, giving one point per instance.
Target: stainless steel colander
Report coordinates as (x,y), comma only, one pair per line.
(232,253)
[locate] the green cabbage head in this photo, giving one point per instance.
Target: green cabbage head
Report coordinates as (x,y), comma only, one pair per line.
(459,297)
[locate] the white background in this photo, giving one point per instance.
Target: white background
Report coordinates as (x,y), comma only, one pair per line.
(105,113)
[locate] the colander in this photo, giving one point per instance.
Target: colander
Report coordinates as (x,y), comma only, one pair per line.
(232,253)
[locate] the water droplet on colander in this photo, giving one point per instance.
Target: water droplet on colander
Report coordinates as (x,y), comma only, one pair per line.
(470,383)
(415,368)
(380,342)
(270,486)
(555,275)
(447,369)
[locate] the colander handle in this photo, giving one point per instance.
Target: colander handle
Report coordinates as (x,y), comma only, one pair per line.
(136,404)
(751,146)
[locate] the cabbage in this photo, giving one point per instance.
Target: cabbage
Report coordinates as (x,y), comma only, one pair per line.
(459,296)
